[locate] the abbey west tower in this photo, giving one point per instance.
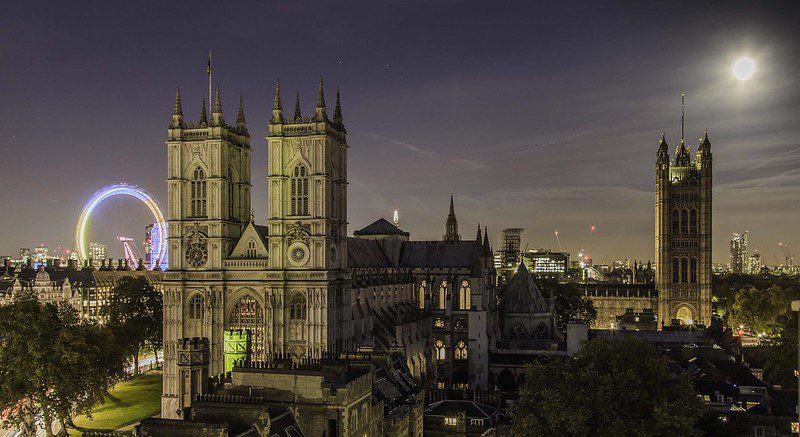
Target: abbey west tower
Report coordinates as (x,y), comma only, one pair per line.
(283,287)
(307,217)
(683,232)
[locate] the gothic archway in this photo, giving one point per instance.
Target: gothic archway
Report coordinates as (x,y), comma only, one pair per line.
(248,314)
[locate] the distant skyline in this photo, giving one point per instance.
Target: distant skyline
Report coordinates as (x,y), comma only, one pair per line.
(540,116)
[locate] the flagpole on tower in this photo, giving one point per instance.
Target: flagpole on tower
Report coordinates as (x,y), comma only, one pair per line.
(208,71)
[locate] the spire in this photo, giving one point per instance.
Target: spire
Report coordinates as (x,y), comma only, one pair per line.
(203,115)
(241,124)
(216,114)
(177,111)
(663,148)
(683,116)
(706,143)
(321,94)
(337,111)
(486,247)
(277,108)
(478,238)
(320,113)
(451,226)
(297,114)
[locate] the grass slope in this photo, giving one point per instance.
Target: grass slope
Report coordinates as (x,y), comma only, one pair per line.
(131,401)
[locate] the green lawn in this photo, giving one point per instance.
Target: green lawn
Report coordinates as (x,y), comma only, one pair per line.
(131,401)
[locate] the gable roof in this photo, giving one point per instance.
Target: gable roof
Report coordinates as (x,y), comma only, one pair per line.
(363,253)
(431,254)
(381,227)
(522,295)
(257,233)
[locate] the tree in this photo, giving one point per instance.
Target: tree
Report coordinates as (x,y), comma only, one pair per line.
(759,310)
(611,387)
(51,364)
(570,302)
(134,313)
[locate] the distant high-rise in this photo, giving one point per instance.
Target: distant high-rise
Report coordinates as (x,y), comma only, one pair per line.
(24,255)
(97,252)
(755,264)
(546,261)
(510,249)
(739,253)
(41,253)
(683,232)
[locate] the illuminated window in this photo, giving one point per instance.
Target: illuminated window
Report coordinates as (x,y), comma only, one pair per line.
(251,249)
(230,193)
(198,195)
(684,269)
(248,315)
(196,307)
(440,350)
(476,422)
(676,221)
(297,309)
(450,421)
(421,292)
(299,194)
(464,297)
(439,323)
(443,295)
(461,351)
(676,271)
(684,222)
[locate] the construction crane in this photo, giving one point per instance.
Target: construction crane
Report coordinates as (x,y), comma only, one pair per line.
(787,256)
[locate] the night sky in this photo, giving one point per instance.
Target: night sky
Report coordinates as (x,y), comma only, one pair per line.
(537,115)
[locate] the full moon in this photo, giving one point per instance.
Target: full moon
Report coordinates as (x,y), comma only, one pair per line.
(744,68)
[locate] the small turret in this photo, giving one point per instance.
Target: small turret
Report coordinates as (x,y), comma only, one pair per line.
(337,112)
(320,112)
(241,124)
(451,225)
(487,250)
(663,148)
(298,116)
(177,111)
(277,108)
(478,238)
(216,114)
(203,115)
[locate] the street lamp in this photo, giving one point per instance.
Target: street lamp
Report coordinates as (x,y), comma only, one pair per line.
(796,307)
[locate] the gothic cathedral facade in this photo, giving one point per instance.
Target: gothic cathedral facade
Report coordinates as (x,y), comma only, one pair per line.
(683,233)
(284,287)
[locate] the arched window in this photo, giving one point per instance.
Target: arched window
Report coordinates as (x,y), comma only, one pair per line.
(299,188)
(421,292)
(684,270)
(693,270)
(684,221)
(676,221)
(464,298)
(439,323)
(251,249)
(676,270)
(684,314)
(693,221)
(440,350)
(297,309)
(443,295)
(461,351)
(196,307)
(542,333)
(230,194)
(198,195)
(248,315)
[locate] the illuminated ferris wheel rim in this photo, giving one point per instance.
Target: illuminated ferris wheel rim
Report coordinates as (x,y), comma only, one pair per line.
(122,190)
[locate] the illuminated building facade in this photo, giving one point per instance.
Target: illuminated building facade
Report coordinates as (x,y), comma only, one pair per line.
(755,264)
(683,233)
(542,261)
(739,259)
(97,252)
